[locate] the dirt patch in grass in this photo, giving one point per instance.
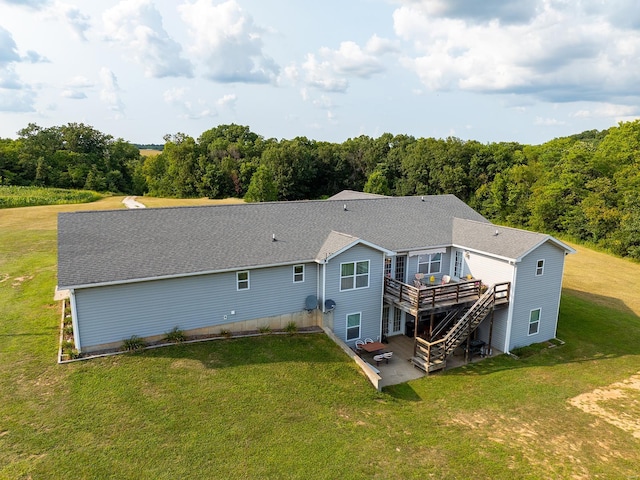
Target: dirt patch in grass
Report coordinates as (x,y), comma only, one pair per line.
(539,443)
(617,404)
(17,281)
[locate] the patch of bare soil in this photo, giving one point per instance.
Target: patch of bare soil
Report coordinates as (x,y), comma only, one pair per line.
(539,443)
(617,404)
(4,277)
(17,281)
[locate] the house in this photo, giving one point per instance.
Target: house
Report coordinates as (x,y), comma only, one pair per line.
(360,265)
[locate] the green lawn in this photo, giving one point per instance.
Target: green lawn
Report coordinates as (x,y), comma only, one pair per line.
(295,406)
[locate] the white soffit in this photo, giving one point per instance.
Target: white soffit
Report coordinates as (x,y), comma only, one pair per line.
(431,251)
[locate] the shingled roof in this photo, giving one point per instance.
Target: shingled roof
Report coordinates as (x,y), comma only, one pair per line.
(104,247)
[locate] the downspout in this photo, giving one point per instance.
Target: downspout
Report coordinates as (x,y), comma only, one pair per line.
(318,285)
(507,340)
(324,284)
(74,320)
(564,257)
(382,299)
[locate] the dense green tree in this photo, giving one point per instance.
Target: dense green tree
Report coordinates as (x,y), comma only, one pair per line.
(262,187)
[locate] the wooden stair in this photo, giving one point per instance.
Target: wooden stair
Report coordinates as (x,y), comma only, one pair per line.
(432,356)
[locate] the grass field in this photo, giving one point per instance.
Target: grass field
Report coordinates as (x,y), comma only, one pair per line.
(296,407)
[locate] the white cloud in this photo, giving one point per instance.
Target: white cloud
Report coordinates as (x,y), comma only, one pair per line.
(178,97)
(17,101)
(15,94)
(332,68)
(174,95)
(560,52)
(228,100)
(110,92)
(8,48)
(136,26)
(322,75)
(34,4)
(75,88)
(34,57)
(228,42)
(77,21)
(73,94)
(548,122)
(608,110)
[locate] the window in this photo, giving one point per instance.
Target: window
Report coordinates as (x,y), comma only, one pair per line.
(400,263)
(534,321)
(354,275)
(353,326)
(385,319)
(243,280)
(429,264)
(539,268)
(458,270)
(387,267)
(298,273)
(397,319)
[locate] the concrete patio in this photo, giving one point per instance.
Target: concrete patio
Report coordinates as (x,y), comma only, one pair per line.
(400,369)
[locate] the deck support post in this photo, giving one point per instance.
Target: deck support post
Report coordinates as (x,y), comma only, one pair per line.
(493,309)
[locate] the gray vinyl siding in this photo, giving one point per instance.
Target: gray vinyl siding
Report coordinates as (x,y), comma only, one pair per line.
(412,267)
(534,292)
(113,313)
(499,333)
(368,301)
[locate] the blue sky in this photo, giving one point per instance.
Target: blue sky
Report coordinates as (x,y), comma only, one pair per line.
(490,70)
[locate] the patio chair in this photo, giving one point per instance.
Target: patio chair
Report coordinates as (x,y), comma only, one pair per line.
(368,340)
(359,344)
(379,358)
(387,356)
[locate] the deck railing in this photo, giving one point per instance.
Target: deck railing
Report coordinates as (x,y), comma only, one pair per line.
(431,295)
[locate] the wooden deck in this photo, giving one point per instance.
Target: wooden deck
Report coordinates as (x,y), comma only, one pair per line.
(435,298)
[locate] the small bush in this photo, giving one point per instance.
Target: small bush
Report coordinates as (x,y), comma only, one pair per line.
(292,327)
(175,335)
(225,333)
(68,330)
(73,353)
(265,329)
(133,343)
(67,345)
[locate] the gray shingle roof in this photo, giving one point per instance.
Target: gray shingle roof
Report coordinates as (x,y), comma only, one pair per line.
(126,245)
(510,243)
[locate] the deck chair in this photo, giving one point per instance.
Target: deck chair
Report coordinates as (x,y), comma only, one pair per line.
(368,340)
(387,356)
(359,344)
(379,358)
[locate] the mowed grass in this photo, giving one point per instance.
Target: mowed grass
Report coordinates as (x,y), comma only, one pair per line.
(295,406)
(154,202)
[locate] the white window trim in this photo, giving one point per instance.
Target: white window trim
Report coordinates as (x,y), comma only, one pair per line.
(346,325)
(539,310)
(429,262)
(540,268)
(299,273)
(248,280)
(355,275)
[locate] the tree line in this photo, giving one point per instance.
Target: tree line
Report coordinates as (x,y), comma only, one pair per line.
(585,186)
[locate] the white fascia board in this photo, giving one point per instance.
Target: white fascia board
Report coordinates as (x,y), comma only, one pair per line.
(551,239)
(421,248)
(183,275)
(355,242)
(492,255)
